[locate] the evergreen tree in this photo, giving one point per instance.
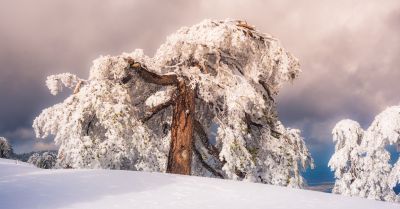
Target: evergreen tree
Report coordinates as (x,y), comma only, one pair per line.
(203,105)
(361,162)
(46,160)
(6,150)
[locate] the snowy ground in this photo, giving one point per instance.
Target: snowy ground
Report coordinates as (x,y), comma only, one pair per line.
(24,186)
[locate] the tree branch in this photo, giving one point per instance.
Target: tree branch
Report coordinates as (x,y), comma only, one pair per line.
(244,24)
(274,132)
(250,122)
(212,150)
(77,87)
(89,125)
(205,165)
(198,128)
(151,77)
(265,86)
(156,109)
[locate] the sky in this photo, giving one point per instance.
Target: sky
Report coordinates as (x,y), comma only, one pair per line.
(349,52)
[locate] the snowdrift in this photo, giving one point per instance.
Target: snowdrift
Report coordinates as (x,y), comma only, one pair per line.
(24,186)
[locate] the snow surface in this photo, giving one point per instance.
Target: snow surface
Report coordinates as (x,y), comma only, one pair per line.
(24,186)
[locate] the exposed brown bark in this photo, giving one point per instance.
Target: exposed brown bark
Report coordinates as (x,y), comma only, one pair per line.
(245,25)
(181,149)
(151,77)
(77,87)
(180,153)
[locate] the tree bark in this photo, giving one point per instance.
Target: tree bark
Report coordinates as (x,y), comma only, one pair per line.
(180,152)
(151,77)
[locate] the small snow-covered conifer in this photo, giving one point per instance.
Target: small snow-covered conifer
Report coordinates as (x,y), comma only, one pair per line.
(361,162)
(6,150)
(46,160)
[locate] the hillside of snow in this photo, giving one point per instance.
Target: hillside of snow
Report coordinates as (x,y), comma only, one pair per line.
(24,186)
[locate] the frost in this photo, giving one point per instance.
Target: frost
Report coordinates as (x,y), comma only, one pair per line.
(55,82)
(160,97)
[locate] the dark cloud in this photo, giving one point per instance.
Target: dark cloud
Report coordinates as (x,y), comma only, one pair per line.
(348,49)
(45,37)
(350,72)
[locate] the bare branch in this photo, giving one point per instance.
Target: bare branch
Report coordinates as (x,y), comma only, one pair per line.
(156,109)
(244,24)
(151,77)
(77,87)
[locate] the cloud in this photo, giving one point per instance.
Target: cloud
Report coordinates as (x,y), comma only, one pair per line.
(348,49)
(21,134)
(350,72)
(39,146)
(23,140)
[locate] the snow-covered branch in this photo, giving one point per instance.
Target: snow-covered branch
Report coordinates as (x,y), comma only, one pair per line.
(151,77)
(55,82)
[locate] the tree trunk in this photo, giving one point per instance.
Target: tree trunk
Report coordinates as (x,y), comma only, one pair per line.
(180,152)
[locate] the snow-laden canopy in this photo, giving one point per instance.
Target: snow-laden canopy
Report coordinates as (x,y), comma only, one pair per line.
(361,161)
(120,117)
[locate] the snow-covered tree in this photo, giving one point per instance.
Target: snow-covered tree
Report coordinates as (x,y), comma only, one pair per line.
(209,90)
(46,160)
(6,150)
(361,162)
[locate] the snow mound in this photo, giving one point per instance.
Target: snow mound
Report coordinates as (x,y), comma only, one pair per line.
(24,186)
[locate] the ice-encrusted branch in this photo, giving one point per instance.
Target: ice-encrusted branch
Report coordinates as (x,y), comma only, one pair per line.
(55,83)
